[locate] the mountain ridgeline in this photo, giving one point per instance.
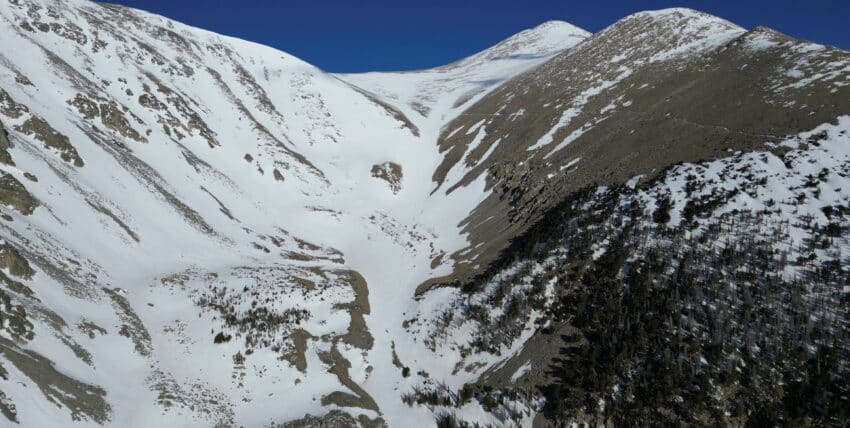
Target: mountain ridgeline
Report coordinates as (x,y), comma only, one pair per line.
(646,225)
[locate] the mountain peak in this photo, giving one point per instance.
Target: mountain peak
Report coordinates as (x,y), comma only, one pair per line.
(545,39)
(666,33)
(677,14)
(556,25)
(681,22)
(670,11)
(452,86)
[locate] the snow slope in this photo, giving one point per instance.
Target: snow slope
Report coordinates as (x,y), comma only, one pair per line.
(434,97)
(190,184)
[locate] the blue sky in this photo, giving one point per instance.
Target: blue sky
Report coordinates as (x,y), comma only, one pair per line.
(351,35)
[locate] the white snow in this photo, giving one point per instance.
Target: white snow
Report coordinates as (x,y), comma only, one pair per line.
(547,138)
(246,230)
(570,164)
(521,371)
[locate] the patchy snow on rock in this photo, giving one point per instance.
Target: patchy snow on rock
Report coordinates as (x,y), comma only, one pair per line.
(521,371)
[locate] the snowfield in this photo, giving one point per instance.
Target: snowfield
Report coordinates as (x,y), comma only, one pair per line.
(225,187)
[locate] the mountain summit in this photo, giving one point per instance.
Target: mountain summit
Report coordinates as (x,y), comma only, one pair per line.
(434,96)
(626,226)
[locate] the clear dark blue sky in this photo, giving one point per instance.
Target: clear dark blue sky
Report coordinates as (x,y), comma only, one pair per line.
(352,35)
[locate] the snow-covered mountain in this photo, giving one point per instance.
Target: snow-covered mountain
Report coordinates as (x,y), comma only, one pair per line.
(185,184)
(652,90)
(436,96)
(198,230)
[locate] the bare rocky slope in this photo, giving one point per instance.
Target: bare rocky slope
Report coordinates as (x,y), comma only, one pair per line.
(197,230)
(650,91)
